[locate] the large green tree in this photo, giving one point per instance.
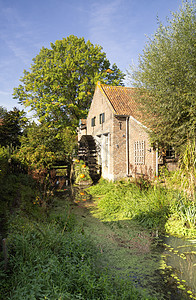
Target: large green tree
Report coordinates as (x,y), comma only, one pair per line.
(61,80)
(166,79)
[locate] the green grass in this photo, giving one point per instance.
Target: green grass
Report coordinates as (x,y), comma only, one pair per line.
(153,206)
(50,257)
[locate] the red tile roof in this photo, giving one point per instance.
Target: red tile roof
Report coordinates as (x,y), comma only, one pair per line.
(121,99)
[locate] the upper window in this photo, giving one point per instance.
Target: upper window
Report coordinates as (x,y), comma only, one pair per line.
(102,118)
(93,121)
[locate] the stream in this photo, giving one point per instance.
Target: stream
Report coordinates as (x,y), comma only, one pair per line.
(180,258)
(164,266)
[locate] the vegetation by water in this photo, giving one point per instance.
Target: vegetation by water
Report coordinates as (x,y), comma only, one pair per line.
(48,255)
(152,205)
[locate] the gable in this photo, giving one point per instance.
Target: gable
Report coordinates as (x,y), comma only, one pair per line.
(100,114)
(116,101)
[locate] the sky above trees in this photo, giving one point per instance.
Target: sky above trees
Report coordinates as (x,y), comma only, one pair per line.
(119,26)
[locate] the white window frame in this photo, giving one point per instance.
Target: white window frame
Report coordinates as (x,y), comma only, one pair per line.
(139,152)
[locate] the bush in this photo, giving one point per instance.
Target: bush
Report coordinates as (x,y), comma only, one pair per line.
(3,163)
(81,171)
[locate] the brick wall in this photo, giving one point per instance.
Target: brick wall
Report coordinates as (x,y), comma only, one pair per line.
(119,147)
(137,132)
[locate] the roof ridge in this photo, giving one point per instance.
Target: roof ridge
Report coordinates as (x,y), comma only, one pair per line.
(116,86)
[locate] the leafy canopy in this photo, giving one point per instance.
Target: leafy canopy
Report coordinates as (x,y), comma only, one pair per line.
(42,146)
(61,80)
(166,79)
(12,124)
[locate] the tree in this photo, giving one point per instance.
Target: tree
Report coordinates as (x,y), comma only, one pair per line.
(61,80)
(12,124)
(43,146)
(166,78)
(3,111)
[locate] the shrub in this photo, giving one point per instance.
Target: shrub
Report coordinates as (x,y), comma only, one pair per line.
(81,171)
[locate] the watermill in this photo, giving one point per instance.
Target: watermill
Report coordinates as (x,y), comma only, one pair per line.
(88,152)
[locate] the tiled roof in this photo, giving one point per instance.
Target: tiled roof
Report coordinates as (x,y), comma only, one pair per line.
(121,99)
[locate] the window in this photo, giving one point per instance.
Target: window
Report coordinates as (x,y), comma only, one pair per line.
(170,153)
(139,151)
(102,118)
(93,122)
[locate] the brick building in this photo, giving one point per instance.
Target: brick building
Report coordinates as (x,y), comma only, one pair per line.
(113,136)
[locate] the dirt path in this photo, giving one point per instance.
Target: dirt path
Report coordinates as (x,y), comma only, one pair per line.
(125,248)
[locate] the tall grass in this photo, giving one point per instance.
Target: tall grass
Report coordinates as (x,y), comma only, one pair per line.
(184,177)
(148,205)
(153,206)
(54,259)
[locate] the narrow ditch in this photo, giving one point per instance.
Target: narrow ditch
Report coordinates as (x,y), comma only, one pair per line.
(128,250)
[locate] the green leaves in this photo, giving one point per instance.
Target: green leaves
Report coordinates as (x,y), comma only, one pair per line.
(61,81)
(43,145)
(11,128)
(166,77)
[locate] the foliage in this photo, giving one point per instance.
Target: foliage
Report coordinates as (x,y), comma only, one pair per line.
(182,221)
(187,212)
(184,177)
(187,169)
(17,191)
(47,261)
(153,206)
(165,79)
(11,128)
(3,111)
(61,80)
(127,200)
(102,188)
(3,163)
(42,146)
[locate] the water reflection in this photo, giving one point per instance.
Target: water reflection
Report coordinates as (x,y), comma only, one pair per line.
(180,254)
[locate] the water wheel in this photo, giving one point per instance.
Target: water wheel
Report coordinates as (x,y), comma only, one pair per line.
(88,153)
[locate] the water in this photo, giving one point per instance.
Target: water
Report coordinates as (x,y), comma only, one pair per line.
(180,254)
(168,270)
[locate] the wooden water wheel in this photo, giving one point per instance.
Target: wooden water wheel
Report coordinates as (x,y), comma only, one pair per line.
(88,153)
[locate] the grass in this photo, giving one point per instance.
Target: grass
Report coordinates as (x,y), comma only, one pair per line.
(152,205)
(50,257)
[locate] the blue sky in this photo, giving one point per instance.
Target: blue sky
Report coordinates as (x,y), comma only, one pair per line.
(119,26)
